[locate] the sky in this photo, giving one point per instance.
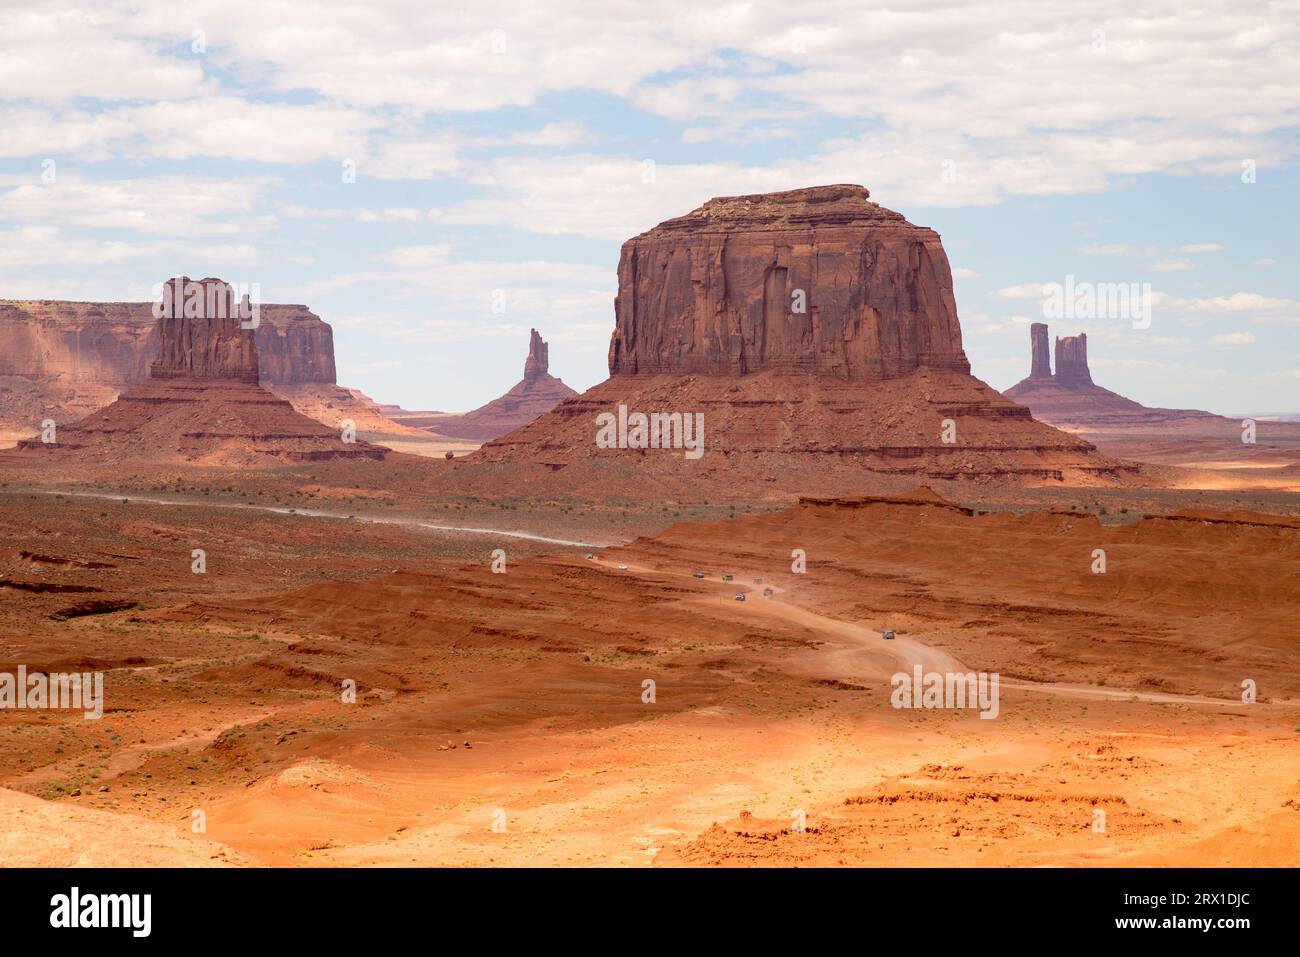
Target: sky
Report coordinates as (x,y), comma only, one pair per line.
(435,181)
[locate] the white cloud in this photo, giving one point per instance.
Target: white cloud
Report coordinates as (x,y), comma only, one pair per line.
(1172,265)
(1028,290)
(1117,249)
(417,257)
(1200,248)
(163,205)
(1233,339)
(1236,302)
(439,295)
(219,126)
(55,52)
(981,101)
(35,247)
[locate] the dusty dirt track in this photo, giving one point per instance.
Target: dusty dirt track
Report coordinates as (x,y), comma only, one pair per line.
(516,699)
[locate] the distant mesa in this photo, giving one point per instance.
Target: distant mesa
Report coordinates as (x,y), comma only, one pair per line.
(817,334)
(202,403)
(1068,398)
(535,394)
(65,360)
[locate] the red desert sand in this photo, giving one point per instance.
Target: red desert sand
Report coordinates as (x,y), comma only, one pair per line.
(324,652)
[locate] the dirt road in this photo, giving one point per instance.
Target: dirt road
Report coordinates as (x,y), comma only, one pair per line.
(855,652)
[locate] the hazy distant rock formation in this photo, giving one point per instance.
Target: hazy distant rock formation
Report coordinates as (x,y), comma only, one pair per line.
(1040,360)
(539,357)
(1072,361)
(817,335)
(201,402)
(1070,399)
(535,394)
(810,280)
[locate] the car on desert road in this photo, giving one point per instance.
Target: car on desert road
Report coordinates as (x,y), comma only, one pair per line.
(622,568)
(740,597)
(697,574)
(887,633)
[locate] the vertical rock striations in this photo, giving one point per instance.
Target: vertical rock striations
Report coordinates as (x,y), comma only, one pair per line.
(810,280)
(1040,362)
(64,360)
(203,333)
(1072,361)
(202,403)
(813,335)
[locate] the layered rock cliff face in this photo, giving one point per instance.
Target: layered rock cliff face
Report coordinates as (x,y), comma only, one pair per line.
(211,341)
(813,336)
(295,346)
(201,403)
(112,344)
(64,360)
(535,394)
(810,280)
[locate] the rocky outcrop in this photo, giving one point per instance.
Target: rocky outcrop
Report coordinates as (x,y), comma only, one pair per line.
(538,362)
(535,394)
(108,344)
(1070,399)
(811,339)
(810,280)
(295,347)
(64,360)
(1072,361)
(112,344)
(204,332)
(1040,360)
(201,403)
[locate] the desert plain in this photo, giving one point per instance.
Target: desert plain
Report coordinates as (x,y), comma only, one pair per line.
(501,718)
(523,647)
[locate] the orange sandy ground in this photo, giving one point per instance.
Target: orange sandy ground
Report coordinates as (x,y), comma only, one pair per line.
(500,717)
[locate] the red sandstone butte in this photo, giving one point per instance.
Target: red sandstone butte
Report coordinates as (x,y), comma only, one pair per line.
(212,340)
(535,394)
(818,335)
(1070,399)
(1040,366)
(64,360)
(201,402)
(719,291)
